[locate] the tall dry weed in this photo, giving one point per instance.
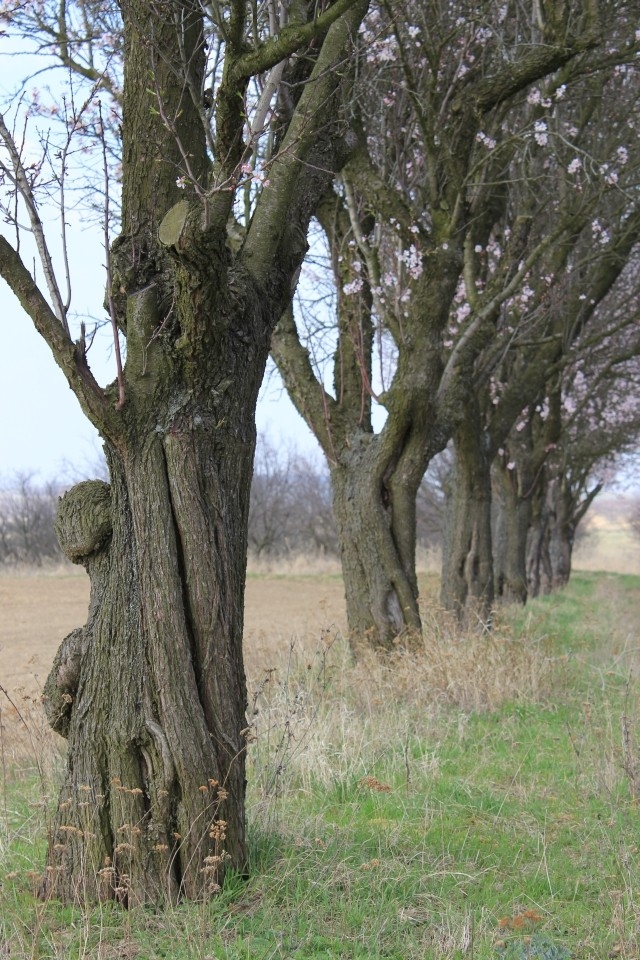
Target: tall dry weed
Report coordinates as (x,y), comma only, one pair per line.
(26,739)
(320,716)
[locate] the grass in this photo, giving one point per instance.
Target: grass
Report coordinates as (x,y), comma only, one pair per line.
(479,801)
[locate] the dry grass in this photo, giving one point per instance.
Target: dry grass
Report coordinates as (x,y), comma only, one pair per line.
(38,609)
(326,717)
(300,601)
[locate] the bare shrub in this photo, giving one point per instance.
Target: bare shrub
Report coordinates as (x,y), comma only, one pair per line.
(291,511)
(431,502)
(27,512)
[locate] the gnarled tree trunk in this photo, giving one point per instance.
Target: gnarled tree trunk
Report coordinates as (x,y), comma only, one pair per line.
(376,529)
(467,567)
(561,535)
(511,518)
(150,692)
(539,573)
(152,699)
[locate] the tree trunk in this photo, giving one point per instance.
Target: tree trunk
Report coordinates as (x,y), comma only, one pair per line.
(152,806)
(561,533)
(467,565)
(151,691)
(512,515)
(375,518)
(538,563)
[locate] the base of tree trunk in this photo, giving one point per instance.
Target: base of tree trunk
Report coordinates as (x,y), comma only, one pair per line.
(150,694)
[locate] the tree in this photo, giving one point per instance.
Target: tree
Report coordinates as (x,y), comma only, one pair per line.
(426,188)
(562,405)
(290,505)
(597,413)
(572,198)
(151,693)
(27,512)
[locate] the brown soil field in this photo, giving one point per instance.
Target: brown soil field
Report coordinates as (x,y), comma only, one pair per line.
(38,610)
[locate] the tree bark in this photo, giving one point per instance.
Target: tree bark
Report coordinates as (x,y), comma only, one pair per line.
(467,565)
(151,691)
(375,517)
(511,519)
(539,574)
(375,477)
(152,806)
(561,535)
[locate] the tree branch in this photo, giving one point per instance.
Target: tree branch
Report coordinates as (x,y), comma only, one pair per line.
(21,182)
(310,154)
(290,39)
(518,75)
(311,400)
(70,357)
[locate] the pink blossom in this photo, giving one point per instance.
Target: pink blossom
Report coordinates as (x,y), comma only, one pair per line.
(541,134)
(413,260)
(354,287)
(462,312)
(485,140)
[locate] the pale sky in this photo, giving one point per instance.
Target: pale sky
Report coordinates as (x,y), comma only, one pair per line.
(42,428)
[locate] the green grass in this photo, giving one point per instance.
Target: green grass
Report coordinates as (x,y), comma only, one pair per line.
(401,826)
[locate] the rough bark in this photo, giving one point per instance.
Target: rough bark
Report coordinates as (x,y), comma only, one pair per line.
(467,566)
(375,477)
(440,211)
(551,541)
(152,806)
(377,546)
(539,574)
(150,691)
(511,519)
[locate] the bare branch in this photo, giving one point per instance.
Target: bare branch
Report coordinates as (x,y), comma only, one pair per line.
(20,181)
(112,308)
(290,39)
(69,356)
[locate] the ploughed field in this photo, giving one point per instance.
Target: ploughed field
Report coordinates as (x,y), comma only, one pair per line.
(37,610)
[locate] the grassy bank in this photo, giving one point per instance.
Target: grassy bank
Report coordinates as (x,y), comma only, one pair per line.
(478,801)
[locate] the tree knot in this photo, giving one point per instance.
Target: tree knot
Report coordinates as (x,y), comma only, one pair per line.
(83,521)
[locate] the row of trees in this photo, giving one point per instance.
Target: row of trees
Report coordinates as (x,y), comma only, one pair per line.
(478,241)
(290,512)
(472,173)
(27,514)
